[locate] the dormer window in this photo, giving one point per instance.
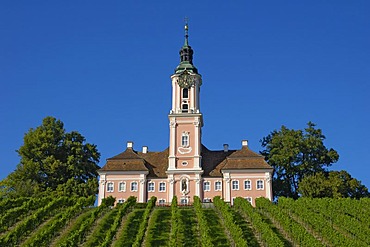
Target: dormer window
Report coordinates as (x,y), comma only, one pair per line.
(185,93)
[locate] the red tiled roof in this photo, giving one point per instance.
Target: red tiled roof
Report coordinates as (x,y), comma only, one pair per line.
(213,162)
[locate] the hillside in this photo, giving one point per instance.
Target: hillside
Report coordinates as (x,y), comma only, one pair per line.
(74,222)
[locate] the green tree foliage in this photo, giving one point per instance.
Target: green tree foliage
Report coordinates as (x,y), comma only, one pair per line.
(53,160)
(333,184)
(295,154)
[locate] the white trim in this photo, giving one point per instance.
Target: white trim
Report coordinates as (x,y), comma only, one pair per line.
(209,185)
(124,186)
(218,181)
(161,199)
(151,190)
(249,197)
(263,184)
(137,186)
(250,184)
(232,200)
(232,184)
(184,163)
(121,200)
(207,199)
(108,183)
(247,170)
(159,186)
(123,172)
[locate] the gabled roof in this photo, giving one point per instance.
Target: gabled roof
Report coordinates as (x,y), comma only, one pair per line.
(213,162)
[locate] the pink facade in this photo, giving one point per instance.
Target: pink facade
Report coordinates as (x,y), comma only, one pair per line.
(186,168)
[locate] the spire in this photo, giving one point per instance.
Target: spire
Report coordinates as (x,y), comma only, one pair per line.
(186,32)
(186,54)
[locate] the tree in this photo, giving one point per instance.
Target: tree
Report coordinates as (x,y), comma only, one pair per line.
(53,159)
(333,184)
(295,154)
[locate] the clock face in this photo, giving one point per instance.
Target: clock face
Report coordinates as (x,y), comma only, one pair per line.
(186,80)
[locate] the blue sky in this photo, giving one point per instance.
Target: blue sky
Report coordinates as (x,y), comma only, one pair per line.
(104,69)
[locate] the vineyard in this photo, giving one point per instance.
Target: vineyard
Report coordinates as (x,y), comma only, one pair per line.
(68,221)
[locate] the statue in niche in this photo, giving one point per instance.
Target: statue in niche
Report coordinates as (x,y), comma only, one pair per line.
(184,185)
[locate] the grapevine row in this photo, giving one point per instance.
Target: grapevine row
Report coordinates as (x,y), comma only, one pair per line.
(14,236)
(267,234)
(328,209)
(79,231)
(123,209)
(47,232)
(235,231)
(144,223)
(175,218)
(129,229)
(203,225)
(296,231)
(318,223)
(14,214)
(8,203)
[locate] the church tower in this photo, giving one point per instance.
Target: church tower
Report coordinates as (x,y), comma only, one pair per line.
(185,161)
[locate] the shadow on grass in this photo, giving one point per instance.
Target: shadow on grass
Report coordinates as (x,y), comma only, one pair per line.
(217,232)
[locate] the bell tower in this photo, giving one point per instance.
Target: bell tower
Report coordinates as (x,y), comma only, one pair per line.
(186,121)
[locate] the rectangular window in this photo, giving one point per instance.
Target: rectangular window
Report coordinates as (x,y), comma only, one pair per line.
(206,200)
(122,186)
(110,187)
(249,199)
(206,186)
(161,202)
(184,201)
(151,187)
(121,200)
(247,185)
(134,186)
(260,185)
(185,140)
(218,186)
(162,187)
(235,185)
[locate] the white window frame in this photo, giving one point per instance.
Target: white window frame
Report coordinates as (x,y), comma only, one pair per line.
(208,184)
(110,187)
(184,201)
(250,184)
(124,186)
(258,186)
(149,185)
(185,139)
(184,163)
(218,189)
(161,189)
(207,200)
(131,184)
(232,200)
(249,199)
(121,200)
(161,201)
(236,185)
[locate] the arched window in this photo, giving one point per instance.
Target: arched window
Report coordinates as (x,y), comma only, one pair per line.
(185,93)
